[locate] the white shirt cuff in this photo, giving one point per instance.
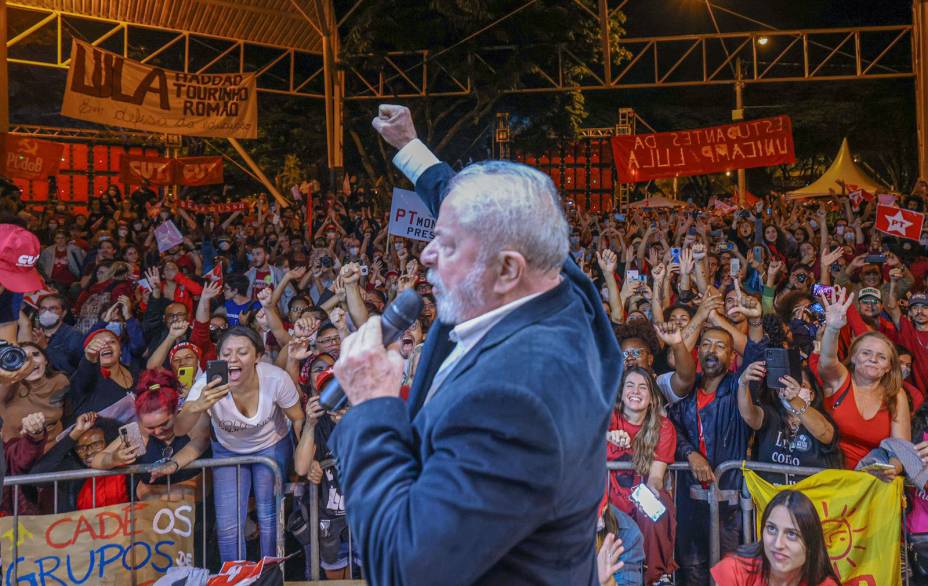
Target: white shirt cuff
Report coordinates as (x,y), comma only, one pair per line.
(413,159)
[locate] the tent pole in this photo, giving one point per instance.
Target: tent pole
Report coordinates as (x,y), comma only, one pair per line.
(920,61)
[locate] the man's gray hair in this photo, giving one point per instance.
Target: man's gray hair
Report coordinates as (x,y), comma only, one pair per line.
(509,205)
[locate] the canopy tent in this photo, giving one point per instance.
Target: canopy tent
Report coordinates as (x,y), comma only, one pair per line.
(657,201)
(842,169)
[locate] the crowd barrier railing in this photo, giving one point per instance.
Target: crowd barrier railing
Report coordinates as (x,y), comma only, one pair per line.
(54,478)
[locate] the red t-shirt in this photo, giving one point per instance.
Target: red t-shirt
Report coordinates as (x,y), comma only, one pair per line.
(60,271)
(703,400)
(738,571)
(621,482)
(857,435)
(917,343)
(263,280)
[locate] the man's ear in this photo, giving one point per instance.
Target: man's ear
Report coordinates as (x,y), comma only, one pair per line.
(510,270)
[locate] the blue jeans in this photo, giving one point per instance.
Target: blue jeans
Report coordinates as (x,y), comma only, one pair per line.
(632,574)
(230,515)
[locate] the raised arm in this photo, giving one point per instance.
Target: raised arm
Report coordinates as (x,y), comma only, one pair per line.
(752,414)
(831,370)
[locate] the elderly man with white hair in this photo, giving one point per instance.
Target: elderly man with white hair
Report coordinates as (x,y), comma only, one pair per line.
(495,470)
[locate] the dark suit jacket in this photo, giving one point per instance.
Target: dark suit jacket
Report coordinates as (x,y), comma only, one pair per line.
(497,479)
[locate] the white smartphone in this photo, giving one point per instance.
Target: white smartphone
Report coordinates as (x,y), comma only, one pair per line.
(735,267)
(647,502)
(132,436)
(631,275)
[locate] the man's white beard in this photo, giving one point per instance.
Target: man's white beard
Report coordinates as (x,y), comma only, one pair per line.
(454,307)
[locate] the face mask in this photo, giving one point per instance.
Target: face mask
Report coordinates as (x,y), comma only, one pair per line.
(224,245)
(48,318)
(123,232)
(906,372)
(115,327)
(353,251)
(137,226)
(839,229)
(52,226)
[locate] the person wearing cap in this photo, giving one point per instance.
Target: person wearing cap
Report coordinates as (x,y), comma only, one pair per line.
(19,253)
(870,304)
(913,332)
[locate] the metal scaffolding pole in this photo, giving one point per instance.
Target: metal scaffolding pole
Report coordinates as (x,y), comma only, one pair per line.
(920,68)
(4,73)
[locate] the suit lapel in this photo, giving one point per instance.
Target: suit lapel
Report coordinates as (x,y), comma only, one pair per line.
(436,349)
(544,305)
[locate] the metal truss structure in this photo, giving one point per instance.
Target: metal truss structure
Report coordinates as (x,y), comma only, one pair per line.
(294,46)
(41,37)
(878,52)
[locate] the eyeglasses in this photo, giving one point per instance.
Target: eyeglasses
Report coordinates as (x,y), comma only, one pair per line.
(83,449)
(329,340)
(178,315)
(869,301)
(633,353)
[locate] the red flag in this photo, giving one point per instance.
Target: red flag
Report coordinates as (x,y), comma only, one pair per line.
(346,185)
(309,213)
(899,222)
(856,197)
(215,275)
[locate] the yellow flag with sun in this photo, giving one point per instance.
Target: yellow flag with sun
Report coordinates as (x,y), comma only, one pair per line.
(861,518)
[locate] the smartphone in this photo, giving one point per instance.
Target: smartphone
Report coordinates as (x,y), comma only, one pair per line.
(877,468)
(726,246)
(734,267)
(781,362)
(692,231)
(716,233)
(132,436)
(758,254)
(218,368)
(185,376)
(620,217)
(820,289)
(631,275)
(647,502)
(364,270)
(875,259)
(675,255)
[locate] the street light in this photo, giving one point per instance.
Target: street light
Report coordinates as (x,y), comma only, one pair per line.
(762,41)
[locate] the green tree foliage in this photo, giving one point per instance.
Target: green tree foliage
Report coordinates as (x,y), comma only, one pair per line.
(521,47)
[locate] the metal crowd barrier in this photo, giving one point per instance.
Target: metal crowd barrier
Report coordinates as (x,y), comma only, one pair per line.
(54,478)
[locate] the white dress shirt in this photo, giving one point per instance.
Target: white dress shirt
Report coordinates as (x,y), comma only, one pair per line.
(467,334)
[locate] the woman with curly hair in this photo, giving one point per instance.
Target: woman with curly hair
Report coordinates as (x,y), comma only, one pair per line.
(640,433)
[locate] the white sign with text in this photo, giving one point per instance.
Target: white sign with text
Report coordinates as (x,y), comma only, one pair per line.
(409,217)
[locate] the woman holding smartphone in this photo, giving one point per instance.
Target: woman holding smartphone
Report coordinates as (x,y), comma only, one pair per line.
(251,411)
(639,432)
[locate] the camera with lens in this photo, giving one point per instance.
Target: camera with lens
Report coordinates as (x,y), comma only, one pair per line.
(326,261)
(12,357)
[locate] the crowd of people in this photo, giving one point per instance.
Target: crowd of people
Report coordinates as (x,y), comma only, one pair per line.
(121,331)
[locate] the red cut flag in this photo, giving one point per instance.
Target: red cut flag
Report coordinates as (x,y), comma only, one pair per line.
(899,222)
(215,275)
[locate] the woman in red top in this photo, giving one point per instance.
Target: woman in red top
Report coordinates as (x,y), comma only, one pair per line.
(640,433)
(177,286)
(791,553)
(864,394)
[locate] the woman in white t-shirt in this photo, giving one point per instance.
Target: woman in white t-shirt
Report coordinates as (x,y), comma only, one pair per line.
(252,415)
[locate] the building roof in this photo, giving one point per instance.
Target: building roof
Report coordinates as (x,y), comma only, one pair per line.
(268,22)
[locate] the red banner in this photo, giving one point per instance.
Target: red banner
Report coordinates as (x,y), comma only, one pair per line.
(215,208)
(198,170)
(136,170)
(899,222)
(742,145)
(29,158)
(190,171)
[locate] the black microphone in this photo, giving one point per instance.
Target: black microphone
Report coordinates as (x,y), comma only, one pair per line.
(399,315)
